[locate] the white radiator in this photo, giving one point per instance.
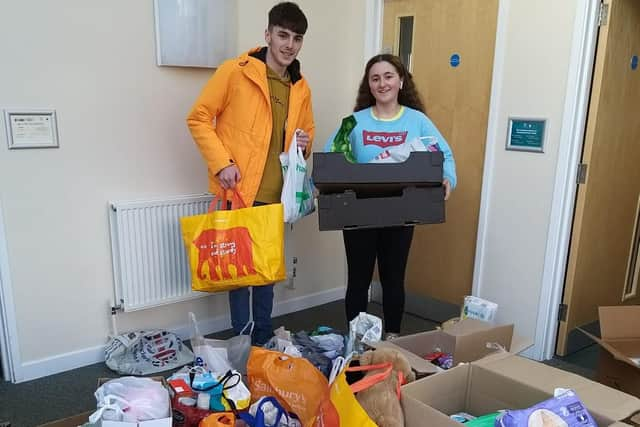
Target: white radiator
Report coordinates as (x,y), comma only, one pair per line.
(150,266)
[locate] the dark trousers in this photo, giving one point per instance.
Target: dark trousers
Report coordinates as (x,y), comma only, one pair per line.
(391,248)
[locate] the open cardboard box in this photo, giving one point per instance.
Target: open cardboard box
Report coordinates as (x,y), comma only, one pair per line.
(72,421)
(619,365)
(467,340)
(506,381)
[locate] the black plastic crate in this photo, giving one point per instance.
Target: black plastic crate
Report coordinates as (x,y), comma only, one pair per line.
(414,205)
(332,173)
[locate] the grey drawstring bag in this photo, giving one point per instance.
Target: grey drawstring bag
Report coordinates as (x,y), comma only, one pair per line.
(146,352)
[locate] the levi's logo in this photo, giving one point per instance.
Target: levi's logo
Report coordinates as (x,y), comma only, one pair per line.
(384,139)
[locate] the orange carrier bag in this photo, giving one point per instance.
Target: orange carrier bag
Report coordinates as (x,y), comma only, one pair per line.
(298,385)
(218,419)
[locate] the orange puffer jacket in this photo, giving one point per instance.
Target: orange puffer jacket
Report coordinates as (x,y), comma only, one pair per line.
(231,119)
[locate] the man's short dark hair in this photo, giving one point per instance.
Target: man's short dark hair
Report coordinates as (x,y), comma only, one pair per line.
(289,16)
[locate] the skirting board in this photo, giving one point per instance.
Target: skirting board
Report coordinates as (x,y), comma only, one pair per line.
(88,356)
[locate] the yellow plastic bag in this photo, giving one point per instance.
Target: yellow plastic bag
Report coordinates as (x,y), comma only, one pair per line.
(344,401)
(229,249)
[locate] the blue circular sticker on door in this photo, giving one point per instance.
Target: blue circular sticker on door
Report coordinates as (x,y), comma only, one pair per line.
(634,62)
(454,60)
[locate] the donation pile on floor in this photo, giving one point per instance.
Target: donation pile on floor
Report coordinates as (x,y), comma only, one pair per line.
(465,372)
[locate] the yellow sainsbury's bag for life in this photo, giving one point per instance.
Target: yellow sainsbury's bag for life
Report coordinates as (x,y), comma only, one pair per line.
(229,249)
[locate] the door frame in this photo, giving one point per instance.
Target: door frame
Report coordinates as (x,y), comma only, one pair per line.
(577,97)
(9,348)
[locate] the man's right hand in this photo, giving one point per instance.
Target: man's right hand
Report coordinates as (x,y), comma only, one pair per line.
(229,177)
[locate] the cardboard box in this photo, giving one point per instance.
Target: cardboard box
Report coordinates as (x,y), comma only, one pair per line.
(619,363)
(73,421)
(411,206)
(505,381)
(332,173)
(466,340)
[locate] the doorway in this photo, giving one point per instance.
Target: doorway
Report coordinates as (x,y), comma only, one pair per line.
(449,47)
(602,267)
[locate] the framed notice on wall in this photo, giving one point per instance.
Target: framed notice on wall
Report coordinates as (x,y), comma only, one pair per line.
(526,134)
(31,129)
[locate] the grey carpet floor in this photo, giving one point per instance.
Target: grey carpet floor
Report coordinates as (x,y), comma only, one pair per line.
(62,395)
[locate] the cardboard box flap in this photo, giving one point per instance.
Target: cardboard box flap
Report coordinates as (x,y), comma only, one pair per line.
(603,401)
(467,326)
(535,374)
(73,421)
(442,391)
(478,345)
(633,419)
(520,344)
(627,351)
(607,401)
(619,322)
(416,412)
(418,364)
(424,343)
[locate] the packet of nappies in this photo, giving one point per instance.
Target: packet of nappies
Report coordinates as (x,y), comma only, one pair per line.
(478,308)
(565,409)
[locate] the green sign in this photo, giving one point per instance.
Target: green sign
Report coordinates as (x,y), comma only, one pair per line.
(526,134)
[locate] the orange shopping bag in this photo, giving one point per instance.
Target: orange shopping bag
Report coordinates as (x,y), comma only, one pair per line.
(228,249)
(296,383)
(218,419)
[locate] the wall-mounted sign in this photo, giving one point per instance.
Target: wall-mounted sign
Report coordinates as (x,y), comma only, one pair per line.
(634,62)
(454,60)
(526,134)
(31,128)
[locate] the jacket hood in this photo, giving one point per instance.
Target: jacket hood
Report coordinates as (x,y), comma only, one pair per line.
(260,53)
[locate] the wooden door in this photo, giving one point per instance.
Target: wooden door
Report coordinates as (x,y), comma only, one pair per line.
(603,253)
(441,262)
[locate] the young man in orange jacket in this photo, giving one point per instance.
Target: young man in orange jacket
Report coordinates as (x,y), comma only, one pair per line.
(244,118)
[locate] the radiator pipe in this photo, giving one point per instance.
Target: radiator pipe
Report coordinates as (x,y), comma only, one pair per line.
(114,313)
(114,326)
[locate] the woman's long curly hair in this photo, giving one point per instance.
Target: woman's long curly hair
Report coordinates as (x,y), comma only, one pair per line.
(408,94)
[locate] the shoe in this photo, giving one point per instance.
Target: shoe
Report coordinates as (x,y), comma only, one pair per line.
(390,336)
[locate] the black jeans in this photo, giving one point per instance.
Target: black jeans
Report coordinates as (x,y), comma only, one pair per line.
(391,248)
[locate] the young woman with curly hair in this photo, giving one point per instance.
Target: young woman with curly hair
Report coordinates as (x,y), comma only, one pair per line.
(388,112)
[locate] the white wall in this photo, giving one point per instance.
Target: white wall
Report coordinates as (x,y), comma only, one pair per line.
(518,188)
(123,136)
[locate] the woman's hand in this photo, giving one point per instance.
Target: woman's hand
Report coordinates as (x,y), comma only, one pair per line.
(447,188)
